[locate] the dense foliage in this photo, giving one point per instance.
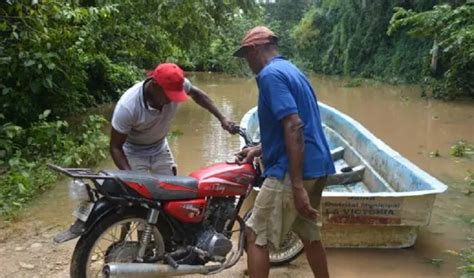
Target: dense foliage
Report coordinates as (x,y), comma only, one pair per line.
(349,37)
(224,40)
(59,58)
(65,56)
(47,54)
(281,17)
(452,30)
(25,153)
(69,55)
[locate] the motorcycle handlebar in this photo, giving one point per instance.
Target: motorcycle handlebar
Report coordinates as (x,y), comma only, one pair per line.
(243,133)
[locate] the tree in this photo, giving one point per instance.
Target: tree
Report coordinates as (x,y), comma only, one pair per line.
(452,31)
(65,56)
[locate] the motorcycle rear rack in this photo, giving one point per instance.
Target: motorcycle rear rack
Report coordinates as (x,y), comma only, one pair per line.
(87,173)
(81,173)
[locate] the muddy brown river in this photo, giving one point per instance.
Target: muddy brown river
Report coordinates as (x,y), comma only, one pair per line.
(414,126)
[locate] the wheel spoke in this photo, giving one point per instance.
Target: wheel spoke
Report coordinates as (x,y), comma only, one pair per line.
(131,231)
(124,231)
(290,247)
(118,243)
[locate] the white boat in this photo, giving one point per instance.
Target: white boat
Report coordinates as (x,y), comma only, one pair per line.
(377,198)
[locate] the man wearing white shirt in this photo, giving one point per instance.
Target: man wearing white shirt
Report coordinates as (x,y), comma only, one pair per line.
(142,119)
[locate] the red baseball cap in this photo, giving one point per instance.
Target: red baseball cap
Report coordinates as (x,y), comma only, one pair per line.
(256,36)
(170,77)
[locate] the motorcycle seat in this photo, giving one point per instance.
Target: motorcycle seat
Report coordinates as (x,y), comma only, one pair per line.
(159,187)
(188,182)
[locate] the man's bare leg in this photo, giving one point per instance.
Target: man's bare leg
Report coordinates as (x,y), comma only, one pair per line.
(258,262)
(316,256)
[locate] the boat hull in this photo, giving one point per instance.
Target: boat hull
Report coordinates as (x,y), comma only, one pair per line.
(389,204)
(374,222)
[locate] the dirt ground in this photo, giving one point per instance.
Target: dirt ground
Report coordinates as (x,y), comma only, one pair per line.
(27,250)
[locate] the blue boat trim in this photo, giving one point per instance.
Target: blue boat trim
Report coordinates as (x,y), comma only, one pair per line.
(377,198)
(398,177)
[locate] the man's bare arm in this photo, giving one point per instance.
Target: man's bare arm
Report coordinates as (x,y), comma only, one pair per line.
(294,143)
(203,100)
(117,140)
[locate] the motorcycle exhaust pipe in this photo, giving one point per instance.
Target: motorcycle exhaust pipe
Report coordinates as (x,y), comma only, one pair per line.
(147,270)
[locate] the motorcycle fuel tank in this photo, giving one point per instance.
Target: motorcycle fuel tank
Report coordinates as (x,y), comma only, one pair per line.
(224,179)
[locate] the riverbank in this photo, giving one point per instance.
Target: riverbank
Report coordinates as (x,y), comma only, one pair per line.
(413,126)
(27,151)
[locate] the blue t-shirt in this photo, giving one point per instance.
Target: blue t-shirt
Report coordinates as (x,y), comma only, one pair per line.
(284,90)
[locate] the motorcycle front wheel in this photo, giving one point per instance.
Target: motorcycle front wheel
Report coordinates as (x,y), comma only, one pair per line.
(289,250)
(114,239)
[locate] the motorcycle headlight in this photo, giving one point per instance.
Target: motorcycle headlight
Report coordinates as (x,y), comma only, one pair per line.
(78,191)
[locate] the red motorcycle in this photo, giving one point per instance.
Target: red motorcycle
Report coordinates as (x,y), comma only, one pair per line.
(135,224)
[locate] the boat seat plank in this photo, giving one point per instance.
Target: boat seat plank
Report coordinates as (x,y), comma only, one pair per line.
(336,188)
(341,178)
(358,187)
(337,153)
(339,164)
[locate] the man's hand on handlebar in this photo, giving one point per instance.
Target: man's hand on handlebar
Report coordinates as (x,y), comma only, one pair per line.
(248,154)
(230,126)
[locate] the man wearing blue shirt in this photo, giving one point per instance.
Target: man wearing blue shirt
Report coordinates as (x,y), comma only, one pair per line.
(295,155)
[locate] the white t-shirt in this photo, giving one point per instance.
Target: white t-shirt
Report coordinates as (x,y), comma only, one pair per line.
(146,128)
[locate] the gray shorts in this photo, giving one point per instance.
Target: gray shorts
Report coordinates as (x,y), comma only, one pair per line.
(161,163)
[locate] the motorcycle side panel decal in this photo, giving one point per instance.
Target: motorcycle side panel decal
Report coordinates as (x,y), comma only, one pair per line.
(191,211)
(174,187)
(140,188)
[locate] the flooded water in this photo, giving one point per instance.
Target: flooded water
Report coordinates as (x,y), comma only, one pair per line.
(413,126)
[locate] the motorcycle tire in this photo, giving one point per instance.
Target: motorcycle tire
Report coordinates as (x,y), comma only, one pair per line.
(280,256)
(80,257)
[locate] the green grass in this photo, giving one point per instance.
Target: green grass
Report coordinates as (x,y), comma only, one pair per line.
(354,82)
(462,149)
(26,174)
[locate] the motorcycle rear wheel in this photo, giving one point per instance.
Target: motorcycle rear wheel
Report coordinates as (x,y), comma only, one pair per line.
(87,262)
(290,249)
